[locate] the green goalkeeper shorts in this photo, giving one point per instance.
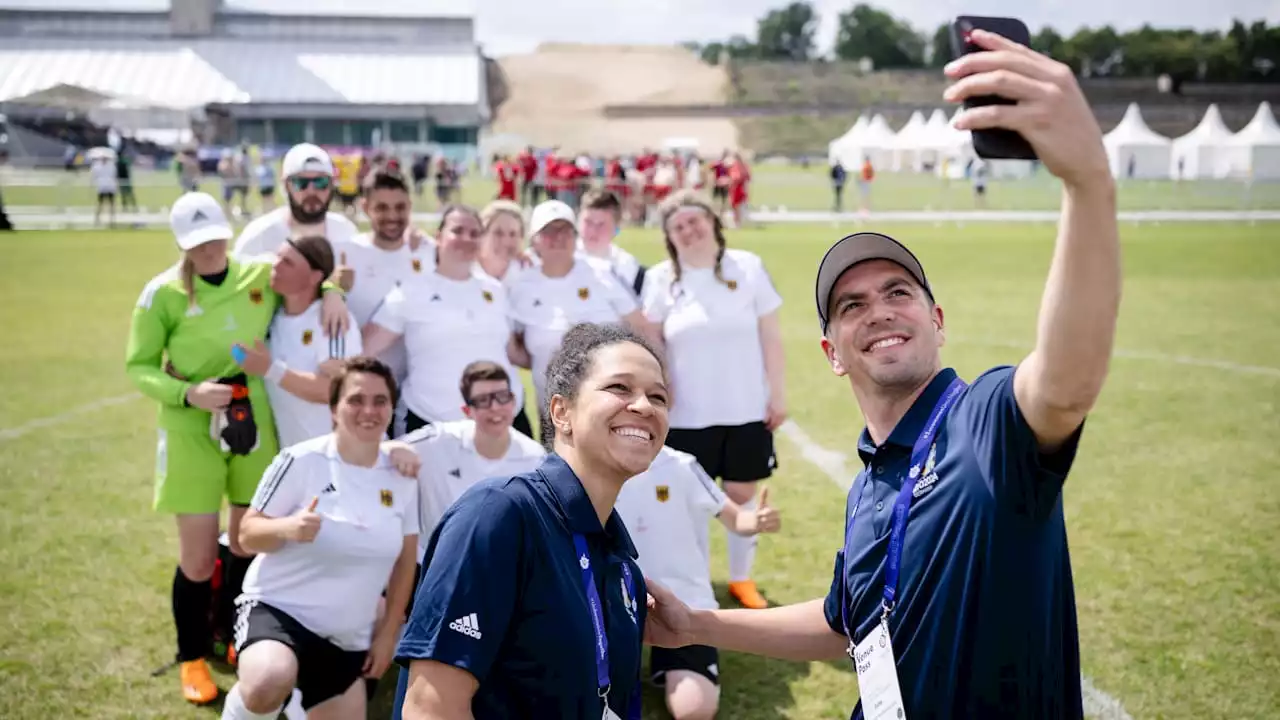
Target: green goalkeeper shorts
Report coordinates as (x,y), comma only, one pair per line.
(193,474)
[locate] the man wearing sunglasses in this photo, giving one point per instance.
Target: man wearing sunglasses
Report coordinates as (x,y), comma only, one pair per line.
(309,181)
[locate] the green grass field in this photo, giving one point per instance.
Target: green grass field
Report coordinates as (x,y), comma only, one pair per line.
(1172,507)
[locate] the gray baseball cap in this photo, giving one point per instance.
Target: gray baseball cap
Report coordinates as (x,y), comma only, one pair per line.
(857,248)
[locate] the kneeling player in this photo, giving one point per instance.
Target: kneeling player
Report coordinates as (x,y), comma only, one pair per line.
(666,509)
(333,523)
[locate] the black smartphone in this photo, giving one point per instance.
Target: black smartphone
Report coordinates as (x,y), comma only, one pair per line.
(997,144)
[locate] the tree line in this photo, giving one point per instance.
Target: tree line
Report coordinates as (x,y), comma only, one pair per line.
(1245,53)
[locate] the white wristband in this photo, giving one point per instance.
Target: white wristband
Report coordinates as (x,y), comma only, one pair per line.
(277,371)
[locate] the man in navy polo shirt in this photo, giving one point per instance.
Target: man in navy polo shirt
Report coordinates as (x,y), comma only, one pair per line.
(504,618)
(953,591)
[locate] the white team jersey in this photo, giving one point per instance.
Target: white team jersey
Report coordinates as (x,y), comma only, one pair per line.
(621,264)
(332,584)
(544,309)
(705,321)
(300,341)
(377,271)
(451,464)
(104,177)
(447,325)
(265,234)
(666,510)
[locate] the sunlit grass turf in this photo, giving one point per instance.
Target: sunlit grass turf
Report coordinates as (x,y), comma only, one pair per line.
(1172,506)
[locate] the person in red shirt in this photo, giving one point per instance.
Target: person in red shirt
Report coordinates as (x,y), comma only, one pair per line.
(720,175)
(506,172)
(739,178)
(528,166)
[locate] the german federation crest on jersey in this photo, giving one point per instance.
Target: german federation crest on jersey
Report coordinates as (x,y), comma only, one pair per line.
(733,284)
(387,498)
(255,296)
(488,296)
(583,293)
(307,337)
(926,483)
(417,265)
(664,493)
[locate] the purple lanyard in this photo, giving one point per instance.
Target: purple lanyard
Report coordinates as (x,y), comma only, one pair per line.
(597,619)
(919,456)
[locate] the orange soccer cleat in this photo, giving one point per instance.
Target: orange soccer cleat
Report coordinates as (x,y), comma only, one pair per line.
(745,592)
(197,683)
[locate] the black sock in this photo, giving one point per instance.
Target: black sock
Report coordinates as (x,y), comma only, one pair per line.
(233,573)
(191,601)
(371,687)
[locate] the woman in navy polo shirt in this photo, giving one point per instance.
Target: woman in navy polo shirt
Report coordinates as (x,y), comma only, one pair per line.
(528,605)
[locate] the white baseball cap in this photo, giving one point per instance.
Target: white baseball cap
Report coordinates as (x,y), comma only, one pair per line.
(305,157)
(548,212)
(196,218)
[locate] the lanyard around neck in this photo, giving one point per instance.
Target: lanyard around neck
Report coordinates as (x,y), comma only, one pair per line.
(898,533)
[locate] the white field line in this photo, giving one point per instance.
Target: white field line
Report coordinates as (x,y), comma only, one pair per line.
(52,218)
(834,464)
(40,423)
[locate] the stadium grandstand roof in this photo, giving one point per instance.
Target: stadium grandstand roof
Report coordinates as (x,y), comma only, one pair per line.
(308,8)
(193,73)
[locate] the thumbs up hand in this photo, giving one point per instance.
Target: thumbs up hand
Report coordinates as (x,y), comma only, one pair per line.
(344,275)
(306,523)
(767,518)
(254,360)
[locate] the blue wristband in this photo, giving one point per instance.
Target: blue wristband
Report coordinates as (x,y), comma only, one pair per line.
(237,354)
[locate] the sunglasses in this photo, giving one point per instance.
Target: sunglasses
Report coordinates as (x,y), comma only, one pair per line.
(321,182)
(484,402)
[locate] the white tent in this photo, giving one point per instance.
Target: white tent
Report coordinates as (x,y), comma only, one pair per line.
(874,141)
(1255,150)
(1202,153)
(955,147)
(908,143)
(1135,150)
(835,149)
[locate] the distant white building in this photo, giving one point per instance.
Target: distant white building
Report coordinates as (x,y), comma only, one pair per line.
(333,72)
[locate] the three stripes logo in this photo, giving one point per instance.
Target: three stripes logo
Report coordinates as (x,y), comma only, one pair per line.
(468,625)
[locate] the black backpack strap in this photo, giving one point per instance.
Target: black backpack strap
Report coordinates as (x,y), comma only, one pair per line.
(639,281)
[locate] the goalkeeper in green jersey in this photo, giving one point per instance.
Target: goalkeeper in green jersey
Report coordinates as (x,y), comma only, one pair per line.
(216,432)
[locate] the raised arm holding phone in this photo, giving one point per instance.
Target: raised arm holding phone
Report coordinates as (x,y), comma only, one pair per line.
(955,549)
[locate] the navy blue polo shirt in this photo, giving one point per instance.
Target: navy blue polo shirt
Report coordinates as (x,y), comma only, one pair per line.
(502,597)
(985,623)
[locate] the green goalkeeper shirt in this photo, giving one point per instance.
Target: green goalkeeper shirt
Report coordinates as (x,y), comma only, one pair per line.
(196,339)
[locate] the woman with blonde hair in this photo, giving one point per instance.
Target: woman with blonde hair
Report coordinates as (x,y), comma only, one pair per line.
(216,431)
(713,303)
(501,240)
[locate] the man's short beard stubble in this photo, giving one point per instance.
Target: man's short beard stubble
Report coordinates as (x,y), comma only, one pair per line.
(306,218)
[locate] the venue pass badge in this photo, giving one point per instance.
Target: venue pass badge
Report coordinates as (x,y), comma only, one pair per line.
(878,676)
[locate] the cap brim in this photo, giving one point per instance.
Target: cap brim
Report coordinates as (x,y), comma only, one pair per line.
(858,248)
(203,235)
(535,229)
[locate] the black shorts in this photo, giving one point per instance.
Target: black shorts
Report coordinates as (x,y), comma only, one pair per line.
(325,670)
(521,423)
(109,197)
(347,200)
(720,192)
(738,453)
(700,659)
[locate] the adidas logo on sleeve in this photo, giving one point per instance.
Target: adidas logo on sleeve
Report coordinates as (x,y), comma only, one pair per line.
(468,625)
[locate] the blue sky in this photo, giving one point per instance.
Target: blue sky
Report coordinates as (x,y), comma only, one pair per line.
(514,26)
